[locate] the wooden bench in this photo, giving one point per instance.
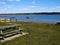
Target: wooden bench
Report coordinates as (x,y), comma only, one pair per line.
(6,31)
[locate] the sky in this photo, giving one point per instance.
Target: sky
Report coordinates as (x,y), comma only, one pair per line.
(26,6)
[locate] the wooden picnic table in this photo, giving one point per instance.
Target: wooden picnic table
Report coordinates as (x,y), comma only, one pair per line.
(9,30)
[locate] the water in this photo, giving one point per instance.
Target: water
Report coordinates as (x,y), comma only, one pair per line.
(46,18)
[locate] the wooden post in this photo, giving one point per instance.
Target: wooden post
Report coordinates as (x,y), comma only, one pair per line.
(2,34)
(20,30)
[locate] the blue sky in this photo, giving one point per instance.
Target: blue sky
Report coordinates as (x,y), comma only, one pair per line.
(24,6)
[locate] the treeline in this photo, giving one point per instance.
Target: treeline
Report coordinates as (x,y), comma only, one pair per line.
(31,13)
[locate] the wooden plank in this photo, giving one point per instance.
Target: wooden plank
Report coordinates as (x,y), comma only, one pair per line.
(3,27)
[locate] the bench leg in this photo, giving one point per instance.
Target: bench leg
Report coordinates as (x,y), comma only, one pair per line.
(3,37)
(20,32)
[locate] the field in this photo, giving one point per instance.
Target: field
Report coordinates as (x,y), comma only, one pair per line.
(39,34)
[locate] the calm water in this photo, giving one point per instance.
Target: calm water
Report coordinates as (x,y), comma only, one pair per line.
(35,18)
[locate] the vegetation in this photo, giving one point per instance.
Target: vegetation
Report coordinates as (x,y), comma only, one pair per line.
(39,34)
(31,13)
(6,23)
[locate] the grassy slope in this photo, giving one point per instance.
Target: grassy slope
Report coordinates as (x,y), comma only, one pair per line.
(39,34)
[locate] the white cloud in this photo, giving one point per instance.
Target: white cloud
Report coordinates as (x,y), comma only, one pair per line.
(15,9)
(14,0)
(43,8)
(33,6)
(11,0)
(18,0)
(33,2)
(2,2)
(0,7)
(58,7)
(54,8)
(25,9)
(5,8)
(9,6)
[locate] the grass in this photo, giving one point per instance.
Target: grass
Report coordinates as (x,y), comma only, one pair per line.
(4,23)
(39,34)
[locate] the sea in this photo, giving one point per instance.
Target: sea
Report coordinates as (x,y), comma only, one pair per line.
(42,18)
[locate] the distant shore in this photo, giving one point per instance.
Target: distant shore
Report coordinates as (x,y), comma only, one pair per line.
(31,13)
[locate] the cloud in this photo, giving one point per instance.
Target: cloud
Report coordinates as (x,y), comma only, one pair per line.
(18,0)
(0,7)
(25,9)
(11,0)
(43,8)
(33,6)
(15,9)
(2,2)
(57,6)
(9,6)
(33,2)
(54,8)
(5,8)
(14,0)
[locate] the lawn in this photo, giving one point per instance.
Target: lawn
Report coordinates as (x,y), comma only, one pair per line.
(39,34)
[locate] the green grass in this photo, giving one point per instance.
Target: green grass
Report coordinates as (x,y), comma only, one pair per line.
(39,34)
